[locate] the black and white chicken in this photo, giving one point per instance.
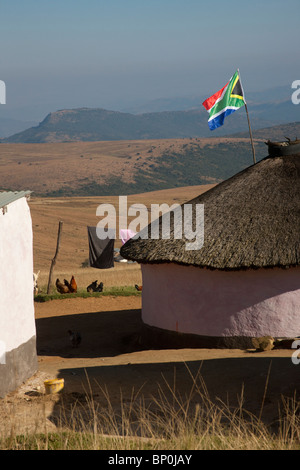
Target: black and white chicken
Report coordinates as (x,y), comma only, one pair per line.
(99,288)
(94,287)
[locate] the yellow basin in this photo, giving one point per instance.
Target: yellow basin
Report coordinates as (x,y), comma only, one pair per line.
(54,385)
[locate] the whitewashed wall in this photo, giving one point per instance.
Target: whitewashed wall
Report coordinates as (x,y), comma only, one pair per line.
(17,324)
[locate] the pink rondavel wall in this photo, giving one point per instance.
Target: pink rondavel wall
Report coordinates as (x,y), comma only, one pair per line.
(222,303)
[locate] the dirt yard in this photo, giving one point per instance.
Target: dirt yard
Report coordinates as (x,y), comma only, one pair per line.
(110,361)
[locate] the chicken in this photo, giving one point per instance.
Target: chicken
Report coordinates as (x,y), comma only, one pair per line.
(75,338)
(66,283)
(99,288)
(72,286)
(92,286)
(35,283)
(61,288)
(139,288)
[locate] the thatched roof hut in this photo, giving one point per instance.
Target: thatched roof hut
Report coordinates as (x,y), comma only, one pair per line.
(251,232)
(251,221)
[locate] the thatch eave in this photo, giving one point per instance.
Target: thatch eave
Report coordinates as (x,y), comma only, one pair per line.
(213,267)
(251,221)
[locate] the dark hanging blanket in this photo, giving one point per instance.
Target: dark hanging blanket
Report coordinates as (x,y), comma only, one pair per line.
(101,252)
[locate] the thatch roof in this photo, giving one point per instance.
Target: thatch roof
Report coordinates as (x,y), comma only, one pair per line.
(251,220)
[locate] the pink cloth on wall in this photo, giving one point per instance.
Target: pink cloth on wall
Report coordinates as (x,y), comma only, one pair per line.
(126,234)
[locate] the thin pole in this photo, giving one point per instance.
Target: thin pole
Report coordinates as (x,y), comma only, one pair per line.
(250,132)
(54,259)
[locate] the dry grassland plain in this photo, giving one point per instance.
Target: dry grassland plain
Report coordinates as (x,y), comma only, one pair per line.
(50,167)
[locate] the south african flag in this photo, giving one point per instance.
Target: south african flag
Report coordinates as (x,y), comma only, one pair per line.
(225,101)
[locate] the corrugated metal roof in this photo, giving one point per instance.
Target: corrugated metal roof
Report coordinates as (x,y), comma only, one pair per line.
(7,197)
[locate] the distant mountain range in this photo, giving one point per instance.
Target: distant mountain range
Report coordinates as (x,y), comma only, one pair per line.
(88,124)
(157,119)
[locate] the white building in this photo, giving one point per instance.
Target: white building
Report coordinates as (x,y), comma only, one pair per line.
(18,357)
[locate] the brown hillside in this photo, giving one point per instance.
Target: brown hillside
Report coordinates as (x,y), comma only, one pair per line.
(44,168)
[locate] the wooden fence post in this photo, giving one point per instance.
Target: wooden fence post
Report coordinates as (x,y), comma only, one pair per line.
(54,259)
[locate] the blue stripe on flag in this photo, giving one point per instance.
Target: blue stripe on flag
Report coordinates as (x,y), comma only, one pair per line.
(219,120)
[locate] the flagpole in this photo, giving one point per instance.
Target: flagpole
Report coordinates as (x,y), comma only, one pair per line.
(250,132)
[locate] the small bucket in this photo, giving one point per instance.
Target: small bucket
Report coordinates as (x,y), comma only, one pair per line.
(53,386)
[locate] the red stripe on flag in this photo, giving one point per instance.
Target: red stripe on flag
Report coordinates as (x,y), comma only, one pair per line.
(209,102)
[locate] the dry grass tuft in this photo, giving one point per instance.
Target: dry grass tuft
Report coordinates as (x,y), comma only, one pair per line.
(169,422)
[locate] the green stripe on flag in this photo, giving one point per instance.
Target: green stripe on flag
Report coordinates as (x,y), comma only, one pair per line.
(228,100)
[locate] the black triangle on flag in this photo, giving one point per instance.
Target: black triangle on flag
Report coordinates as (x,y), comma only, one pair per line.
(237,90)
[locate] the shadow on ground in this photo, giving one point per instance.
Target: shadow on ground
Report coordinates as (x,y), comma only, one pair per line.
(103,334)
(111,371)
(260,384)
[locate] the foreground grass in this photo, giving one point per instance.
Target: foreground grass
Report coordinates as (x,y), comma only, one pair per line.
(169,422)
(109,291)
(73,441)
(217,431)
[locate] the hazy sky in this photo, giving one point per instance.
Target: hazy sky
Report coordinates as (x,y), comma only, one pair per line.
(114,53)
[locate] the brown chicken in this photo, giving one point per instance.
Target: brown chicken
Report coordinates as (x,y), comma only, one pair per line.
(61,288)
(139,288)
(72,286)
